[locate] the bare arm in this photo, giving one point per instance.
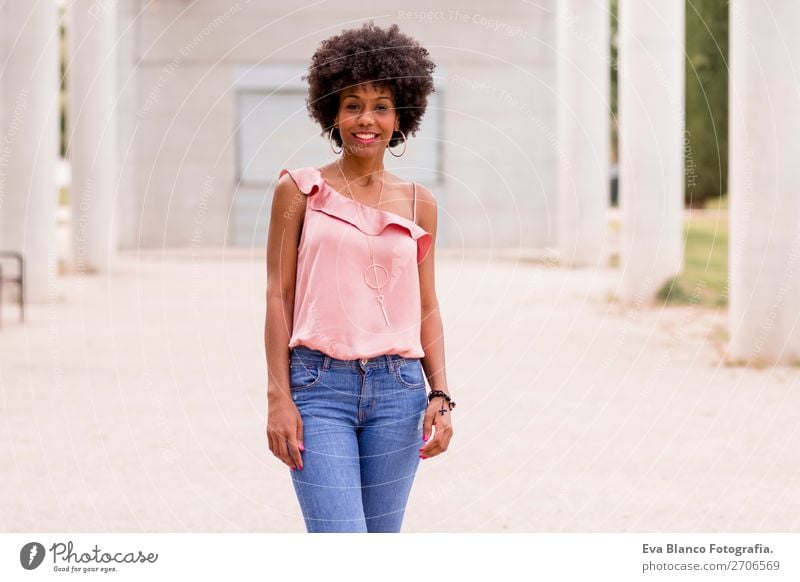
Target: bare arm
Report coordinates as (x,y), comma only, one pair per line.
(432,334)
(286,220)
(285,226)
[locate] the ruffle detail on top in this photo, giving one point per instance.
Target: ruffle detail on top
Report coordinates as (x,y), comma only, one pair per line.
(323,198)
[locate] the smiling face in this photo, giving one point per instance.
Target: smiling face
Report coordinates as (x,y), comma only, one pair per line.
(366,119)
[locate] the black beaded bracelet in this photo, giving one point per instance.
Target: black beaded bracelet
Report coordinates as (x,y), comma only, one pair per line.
(450,402)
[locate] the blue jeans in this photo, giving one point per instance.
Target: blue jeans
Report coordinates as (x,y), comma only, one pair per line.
(362,430)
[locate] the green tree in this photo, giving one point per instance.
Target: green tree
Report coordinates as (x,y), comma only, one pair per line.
(614,65)
(706,137)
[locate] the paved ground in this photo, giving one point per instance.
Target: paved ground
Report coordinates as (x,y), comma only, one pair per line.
(137,403)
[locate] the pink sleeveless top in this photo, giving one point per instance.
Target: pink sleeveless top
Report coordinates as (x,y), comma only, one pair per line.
(335,311)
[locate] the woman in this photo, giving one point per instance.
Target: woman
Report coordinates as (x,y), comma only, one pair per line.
(353,321)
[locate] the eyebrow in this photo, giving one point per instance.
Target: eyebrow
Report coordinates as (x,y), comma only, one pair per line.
(357,96)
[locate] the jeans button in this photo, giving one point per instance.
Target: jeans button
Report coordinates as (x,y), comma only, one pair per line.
(364,361)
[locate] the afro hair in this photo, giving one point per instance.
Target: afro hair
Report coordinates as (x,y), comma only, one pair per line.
(386,58)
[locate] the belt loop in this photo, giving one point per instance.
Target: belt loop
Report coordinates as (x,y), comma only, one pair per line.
(326,363)
(390,361)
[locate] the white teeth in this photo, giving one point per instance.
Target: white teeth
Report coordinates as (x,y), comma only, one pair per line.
(366,135)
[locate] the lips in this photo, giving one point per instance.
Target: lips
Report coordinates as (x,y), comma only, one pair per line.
(365,136)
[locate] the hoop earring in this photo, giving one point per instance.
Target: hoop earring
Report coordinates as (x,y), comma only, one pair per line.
(330,142)
(405,145)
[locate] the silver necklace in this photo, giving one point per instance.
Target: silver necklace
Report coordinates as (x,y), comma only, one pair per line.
(374,269)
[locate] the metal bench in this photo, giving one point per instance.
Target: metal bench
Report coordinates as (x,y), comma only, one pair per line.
(19,280)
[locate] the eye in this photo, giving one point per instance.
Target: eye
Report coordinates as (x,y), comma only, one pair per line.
(351,106)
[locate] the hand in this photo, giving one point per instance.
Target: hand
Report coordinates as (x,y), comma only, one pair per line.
(285,433)
(444,428)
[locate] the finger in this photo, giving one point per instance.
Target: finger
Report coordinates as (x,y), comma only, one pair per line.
(431,451)
(277,444)
(433,447)
(445,433)
(440,440)
(298,446)
(273,442)
(446,436)
(300,433)
(283,451)
(294,453)
(427,425)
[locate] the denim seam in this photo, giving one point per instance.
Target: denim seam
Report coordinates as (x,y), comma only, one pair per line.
(306,366)
(403,382)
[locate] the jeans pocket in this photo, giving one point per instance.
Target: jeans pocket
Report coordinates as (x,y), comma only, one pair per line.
(303,376)
(410,374)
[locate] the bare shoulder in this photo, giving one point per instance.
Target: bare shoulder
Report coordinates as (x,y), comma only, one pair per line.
(288,201)
(286,186)
(426,208)
(406,187)
(425,195)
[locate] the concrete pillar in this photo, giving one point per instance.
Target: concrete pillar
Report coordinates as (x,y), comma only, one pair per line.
(583,69)
(4,153)
(764,241)
(29,140)
(93,133)
(651,119)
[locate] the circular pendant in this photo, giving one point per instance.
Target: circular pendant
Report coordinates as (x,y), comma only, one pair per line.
(373,276)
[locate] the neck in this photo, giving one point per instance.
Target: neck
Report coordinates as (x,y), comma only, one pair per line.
(361,171)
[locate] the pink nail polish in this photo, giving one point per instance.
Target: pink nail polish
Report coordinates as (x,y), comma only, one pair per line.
(424,437)
(302,448)
(292,468)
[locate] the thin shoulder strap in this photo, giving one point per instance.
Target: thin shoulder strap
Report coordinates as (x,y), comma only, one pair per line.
(414,216)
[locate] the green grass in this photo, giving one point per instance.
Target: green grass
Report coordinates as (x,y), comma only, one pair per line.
(720,203)
(705,274)
(63,196)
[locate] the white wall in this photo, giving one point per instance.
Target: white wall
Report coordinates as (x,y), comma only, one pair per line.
(497,182)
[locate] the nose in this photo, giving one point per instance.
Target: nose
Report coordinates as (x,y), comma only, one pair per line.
(365,120)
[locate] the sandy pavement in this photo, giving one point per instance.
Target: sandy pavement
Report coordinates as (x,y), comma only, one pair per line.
(136,402)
